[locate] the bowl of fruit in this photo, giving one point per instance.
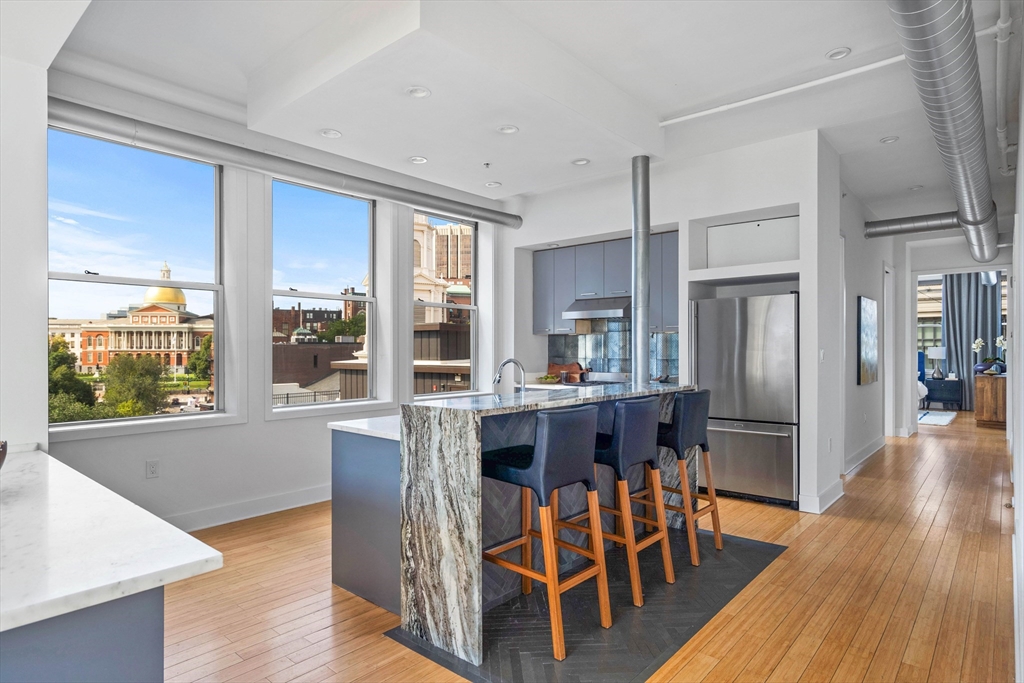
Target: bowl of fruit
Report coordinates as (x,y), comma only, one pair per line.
(549,379)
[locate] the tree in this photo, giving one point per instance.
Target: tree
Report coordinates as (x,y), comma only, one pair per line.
(63,379)
(135,381)
(353,327)
(199,362)
(64,408)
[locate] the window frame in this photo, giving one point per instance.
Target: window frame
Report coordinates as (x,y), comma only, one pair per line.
(474,315)
(370,299)
(110,426)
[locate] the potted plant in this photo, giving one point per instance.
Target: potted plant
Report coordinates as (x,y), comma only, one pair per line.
(1000,360)
(985,364)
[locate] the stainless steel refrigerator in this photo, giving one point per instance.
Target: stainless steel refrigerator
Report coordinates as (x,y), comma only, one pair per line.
(745,350)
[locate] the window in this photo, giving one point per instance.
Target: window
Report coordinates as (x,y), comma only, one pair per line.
(444,308)
(119,218)
(323,296)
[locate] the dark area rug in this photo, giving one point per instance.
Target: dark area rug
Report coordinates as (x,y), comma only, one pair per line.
(517,634)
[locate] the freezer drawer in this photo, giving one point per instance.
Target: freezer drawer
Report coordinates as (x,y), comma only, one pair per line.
(752,458)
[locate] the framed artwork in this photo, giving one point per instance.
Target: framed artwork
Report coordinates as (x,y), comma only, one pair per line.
(867,340)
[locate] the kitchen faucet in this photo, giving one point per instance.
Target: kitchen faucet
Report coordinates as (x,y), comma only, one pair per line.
(522,372)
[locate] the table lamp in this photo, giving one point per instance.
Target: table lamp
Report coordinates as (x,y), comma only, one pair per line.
(937,353)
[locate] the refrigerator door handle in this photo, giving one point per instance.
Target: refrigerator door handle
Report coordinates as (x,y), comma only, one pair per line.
(747,431)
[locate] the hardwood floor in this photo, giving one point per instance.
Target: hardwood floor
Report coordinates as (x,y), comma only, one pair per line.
(906,578)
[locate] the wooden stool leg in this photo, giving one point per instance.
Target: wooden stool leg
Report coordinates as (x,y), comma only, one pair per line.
(659,507)
(527,505)
(597,547)
(618,518)
(547,532)
(630,534)
(691,529)
(713,499)
(647,485)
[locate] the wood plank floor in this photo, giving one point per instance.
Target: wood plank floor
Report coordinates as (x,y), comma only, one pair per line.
(906,578)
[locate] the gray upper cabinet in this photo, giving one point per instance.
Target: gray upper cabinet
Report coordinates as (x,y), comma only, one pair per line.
(565,289)
(590,271)
(670,280)
(543,292)
(657,295)
(618,268)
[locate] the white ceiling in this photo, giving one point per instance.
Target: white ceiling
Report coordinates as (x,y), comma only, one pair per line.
(588,78)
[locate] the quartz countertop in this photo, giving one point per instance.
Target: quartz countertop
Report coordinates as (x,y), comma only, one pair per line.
(388,427)
(67,543)
(539,399)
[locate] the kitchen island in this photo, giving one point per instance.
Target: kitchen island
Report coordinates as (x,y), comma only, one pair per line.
(82,576)
(450,514)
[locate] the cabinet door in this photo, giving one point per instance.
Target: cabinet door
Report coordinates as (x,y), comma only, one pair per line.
(543,291)
(590,271)
(565,289)
(656,286)
(618,268)
(670,281)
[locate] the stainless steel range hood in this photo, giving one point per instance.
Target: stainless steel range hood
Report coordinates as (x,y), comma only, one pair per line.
(593,309)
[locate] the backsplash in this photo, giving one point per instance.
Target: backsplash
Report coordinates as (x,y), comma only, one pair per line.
(607,348)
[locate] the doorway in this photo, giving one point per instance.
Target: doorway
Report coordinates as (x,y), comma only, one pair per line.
(889,349)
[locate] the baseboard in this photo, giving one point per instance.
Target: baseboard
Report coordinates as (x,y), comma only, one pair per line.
(233,512)
(818,504)
(864,453)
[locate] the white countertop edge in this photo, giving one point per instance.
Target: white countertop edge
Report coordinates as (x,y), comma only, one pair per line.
(65,604)
(386,427)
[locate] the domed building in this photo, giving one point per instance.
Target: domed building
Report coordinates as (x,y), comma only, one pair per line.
(160,326)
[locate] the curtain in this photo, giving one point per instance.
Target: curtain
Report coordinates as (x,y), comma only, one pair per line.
(970,310)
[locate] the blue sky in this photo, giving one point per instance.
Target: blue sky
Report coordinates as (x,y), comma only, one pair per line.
(119,210)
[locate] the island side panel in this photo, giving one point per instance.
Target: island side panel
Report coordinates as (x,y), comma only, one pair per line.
(441,532)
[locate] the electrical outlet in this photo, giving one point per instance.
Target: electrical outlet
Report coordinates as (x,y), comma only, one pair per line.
(830,444)
(152,469)
(821,355)
(865,418)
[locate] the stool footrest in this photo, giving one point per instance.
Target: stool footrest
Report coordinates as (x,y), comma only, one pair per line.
(568,546)
(643,501)
(578,578)
(507,545)
(562,524)
(518,568)
(649,540)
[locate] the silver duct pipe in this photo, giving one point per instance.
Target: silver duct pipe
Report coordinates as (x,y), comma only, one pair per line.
(641,365)
(79,118)
(937,37)
(901,226)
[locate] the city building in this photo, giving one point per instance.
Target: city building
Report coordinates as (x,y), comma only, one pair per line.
(160,326)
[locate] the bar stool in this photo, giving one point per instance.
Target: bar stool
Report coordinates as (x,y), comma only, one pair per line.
(633,441)
(562,455)
(689,428)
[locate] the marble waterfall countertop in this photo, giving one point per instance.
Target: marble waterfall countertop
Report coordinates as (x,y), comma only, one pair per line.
(67,543)
(539,399)
(387,427)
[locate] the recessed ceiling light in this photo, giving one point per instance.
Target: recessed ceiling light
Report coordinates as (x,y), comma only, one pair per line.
(508,130)
(553,244)
(888,140)
(493,183)
(581,162)
(838,53)
(915,188)
(330,133)
(417,91)
(418,160)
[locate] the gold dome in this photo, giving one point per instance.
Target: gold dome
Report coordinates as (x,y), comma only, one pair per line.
(165,295)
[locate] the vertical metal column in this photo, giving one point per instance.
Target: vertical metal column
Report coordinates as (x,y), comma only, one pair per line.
(641,366)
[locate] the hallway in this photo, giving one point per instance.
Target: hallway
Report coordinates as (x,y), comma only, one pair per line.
(906,578)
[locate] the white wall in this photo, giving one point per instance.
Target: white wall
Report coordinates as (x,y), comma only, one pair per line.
(800,170)
(22,253)
(865,263)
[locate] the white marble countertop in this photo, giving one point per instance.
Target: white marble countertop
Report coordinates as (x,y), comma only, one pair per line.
(67,543)
(387,427)
(538,399)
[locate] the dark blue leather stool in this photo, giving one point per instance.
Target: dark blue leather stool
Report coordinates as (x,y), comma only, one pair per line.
(562,455)
(634,441)
(689,428)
